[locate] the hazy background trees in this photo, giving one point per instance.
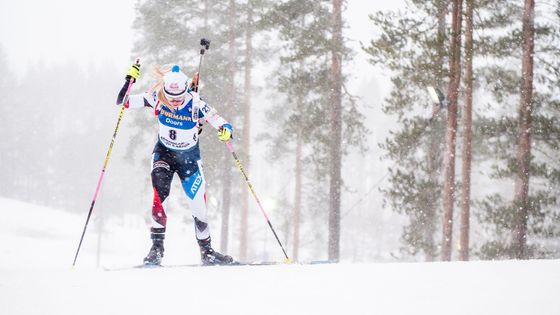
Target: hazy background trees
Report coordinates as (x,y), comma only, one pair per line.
(414,45)
(502,226)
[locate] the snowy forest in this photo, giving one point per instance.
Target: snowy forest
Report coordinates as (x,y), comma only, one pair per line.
(346,170)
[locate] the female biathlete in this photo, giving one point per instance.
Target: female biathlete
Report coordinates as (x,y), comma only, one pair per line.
(179,111)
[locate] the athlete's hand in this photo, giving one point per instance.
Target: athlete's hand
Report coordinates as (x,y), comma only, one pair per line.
(133,72)
(225,132)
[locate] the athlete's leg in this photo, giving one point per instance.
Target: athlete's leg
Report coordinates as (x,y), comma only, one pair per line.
(194,186)
(162,175)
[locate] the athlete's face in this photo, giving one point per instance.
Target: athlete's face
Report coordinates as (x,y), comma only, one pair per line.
(177,101)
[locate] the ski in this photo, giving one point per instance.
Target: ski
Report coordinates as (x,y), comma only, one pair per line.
(234,264)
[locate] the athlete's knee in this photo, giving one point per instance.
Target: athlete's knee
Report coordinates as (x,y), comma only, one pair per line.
(201,225)
(161,178)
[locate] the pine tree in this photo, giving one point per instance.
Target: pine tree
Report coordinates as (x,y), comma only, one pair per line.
(306,31)
(522,177)
(452,99)
(250,13)
(335,133)
(413,45)
(499,213)
(464,226)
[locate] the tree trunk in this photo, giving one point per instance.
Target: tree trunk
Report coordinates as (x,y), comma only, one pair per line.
(452,97)
(336,133)
(247,121)
(521,205)
(467,136)
(297,198)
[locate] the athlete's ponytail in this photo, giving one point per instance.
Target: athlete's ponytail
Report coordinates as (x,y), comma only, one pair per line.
(158,72)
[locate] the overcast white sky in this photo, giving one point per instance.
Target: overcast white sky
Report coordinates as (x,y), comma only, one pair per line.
(53,31)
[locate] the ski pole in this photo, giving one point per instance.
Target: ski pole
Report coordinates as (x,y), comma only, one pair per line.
(105,165)
(205,43)
(240,167)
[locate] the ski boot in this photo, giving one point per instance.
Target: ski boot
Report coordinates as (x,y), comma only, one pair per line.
(155,255)
(210,257)
(156,252)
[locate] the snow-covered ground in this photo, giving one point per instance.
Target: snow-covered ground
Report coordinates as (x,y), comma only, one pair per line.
(36,277)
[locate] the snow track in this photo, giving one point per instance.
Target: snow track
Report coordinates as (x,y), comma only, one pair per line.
(36,278)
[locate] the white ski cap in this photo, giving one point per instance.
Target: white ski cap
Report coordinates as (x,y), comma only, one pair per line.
(175,83)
